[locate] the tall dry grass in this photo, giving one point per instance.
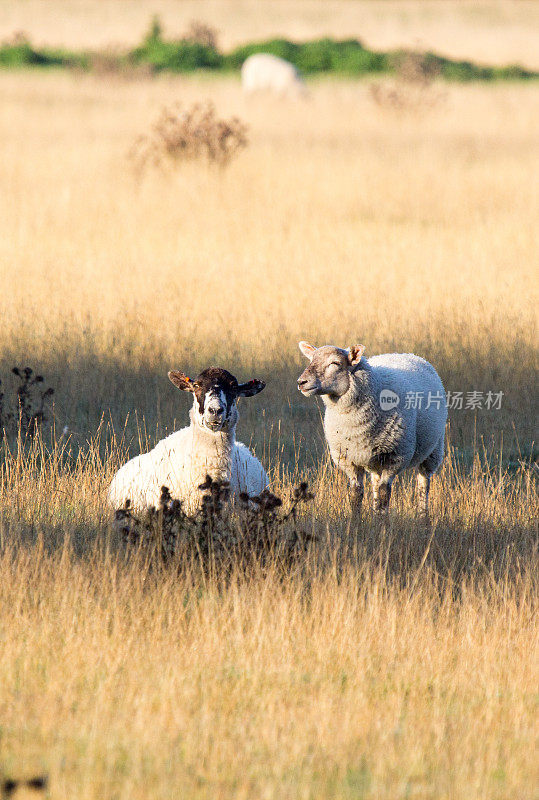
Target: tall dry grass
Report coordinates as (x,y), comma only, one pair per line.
(391,662)
(342,222)
(385,662)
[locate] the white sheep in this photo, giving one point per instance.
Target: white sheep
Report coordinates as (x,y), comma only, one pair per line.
(383,415)
(263,72)
(207,447)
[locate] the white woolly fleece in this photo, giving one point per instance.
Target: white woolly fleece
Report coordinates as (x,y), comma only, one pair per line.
(357,428)
(181,462)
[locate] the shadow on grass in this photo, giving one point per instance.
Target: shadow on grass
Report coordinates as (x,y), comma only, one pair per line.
(453,551)
(140,404)
(400,551)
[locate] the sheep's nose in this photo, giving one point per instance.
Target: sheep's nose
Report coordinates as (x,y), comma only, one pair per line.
(301,382)
(216,411)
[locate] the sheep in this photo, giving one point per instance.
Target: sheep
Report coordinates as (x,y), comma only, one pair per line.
(266,72)
(208,446)
(383,415)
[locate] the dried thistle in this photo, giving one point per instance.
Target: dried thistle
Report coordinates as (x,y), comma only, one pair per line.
(188,134)
(255,528)
(201,33)
(37,784)
(416,68)
(30,402)
(413,88)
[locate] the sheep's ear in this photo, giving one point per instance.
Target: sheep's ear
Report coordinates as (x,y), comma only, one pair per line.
(181,381)
(307,349)
(354,354)
(250,388)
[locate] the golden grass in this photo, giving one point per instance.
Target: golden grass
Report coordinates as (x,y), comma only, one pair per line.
(391,663)
(340,222)
(403,665)
(493,31)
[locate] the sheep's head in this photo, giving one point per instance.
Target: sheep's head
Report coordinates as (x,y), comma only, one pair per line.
(330,369)
(215,394)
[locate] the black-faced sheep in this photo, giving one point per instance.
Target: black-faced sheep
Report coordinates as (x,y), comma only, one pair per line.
(207,447)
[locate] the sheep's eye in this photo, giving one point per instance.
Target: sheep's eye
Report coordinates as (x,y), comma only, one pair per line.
(335,364)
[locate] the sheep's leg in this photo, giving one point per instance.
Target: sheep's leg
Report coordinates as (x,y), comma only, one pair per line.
(381,492)
(356,491)
(423,487)
(426,470)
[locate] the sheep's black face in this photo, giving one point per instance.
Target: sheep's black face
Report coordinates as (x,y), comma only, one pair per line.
(216,391)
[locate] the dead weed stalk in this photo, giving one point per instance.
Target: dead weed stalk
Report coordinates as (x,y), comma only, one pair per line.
(181,134)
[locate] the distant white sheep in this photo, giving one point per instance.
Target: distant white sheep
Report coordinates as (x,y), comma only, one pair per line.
(383,415)
(207,447)
(263,72)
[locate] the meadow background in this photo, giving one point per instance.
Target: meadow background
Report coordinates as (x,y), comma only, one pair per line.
(403,664)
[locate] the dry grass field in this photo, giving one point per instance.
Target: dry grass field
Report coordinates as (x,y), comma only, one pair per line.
(340,222)
(390,662)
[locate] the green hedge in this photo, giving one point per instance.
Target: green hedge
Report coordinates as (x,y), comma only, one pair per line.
(317,57)
(181,56)
(22,54)
(467,71)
